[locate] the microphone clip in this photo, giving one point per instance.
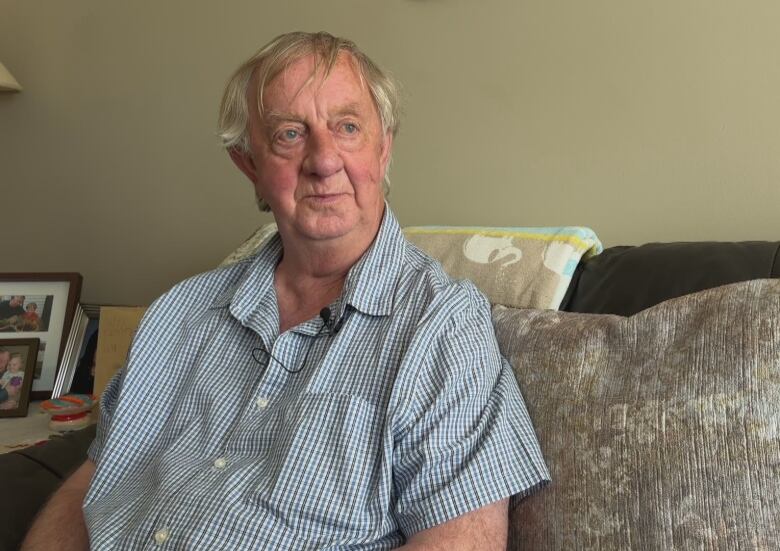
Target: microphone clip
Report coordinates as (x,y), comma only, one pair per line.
(333,327)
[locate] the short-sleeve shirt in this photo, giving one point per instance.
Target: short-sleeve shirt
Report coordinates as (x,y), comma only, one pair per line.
(397,415)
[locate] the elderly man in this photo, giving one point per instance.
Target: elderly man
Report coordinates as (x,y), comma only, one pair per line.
(334,391)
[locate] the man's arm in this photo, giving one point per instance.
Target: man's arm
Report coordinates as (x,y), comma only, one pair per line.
(482,530)
(62,520)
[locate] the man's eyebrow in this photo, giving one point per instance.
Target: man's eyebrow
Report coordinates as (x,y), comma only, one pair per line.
(273,118)
(349,109)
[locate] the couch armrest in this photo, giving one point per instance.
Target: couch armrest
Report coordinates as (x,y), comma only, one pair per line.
(26,487)
(31,475)
(62,455)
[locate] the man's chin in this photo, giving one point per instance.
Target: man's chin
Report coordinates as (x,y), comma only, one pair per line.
(326,228)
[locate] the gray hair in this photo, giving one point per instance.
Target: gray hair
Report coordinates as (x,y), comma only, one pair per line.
(275,57)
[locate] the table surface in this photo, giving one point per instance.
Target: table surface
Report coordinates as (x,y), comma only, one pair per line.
(20,432)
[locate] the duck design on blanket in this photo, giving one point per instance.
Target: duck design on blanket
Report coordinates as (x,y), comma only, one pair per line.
(485,249)
(520,267)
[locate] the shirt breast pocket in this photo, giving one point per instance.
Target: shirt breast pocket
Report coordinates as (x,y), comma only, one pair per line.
(332,465)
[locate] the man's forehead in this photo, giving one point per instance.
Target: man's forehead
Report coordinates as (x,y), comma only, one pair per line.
(308,74)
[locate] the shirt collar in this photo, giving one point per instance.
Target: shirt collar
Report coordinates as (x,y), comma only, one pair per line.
(253,297)
(371,282)
(369,286)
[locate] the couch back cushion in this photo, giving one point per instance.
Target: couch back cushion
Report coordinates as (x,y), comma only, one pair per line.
(661,430)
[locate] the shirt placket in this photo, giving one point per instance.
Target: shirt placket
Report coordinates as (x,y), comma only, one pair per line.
(282,357)
(163,532)
(283,364)
(286,358)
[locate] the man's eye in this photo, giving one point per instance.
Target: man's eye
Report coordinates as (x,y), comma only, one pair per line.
(290,135)
(350,128)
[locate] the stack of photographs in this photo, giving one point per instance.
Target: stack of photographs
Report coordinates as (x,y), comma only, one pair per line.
(76,370)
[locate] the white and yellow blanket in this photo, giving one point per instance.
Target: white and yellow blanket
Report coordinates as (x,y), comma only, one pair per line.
(517,267)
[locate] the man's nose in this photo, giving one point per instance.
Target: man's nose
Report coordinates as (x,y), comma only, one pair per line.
(323,157)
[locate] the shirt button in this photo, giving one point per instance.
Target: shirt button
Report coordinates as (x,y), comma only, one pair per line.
(161,536)
(220,463)
(262,402)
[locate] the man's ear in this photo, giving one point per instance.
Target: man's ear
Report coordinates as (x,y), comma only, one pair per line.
(244,162)
(387,149)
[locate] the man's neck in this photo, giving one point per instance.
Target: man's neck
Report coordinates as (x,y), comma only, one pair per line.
(311,275)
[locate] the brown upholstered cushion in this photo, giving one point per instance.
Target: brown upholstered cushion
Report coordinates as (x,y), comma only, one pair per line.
(662,430)
(625,280)
(64,453)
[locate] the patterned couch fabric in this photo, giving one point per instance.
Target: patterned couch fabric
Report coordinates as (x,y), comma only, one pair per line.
(519,267)
(661,430)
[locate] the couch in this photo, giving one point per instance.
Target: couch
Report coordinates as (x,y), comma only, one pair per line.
(655,390)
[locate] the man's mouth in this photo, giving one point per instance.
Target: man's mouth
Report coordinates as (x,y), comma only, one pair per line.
(326,197)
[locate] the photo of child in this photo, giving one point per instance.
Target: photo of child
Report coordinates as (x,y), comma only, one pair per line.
(25,314)
(5,357)
(17,363)
(31,312)
(11,382)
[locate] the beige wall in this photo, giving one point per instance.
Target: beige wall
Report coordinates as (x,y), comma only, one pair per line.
(648,121)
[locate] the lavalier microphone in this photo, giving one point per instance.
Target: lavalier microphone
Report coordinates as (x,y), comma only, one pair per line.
(327,325)
(333,329)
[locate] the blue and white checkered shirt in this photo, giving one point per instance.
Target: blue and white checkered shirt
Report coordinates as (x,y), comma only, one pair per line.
(405,418)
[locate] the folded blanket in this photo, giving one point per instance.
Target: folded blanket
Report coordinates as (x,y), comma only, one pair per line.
(518,267)
(251,245)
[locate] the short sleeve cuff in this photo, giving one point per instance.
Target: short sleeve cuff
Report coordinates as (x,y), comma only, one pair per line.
(455,500)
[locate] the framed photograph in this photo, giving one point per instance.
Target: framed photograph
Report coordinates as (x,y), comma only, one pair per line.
(17,367)
(76,373)
(39,305)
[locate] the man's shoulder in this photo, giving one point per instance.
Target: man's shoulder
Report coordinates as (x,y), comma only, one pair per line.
(186,304)
(205,290)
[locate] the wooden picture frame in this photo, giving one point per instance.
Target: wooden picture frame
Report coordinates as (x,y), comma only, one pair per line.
(16,356)
(58,294)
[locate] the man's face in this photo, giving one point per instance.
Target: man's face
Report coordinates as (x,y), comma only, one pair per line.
(16,301)
(319,155)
